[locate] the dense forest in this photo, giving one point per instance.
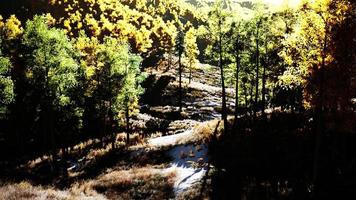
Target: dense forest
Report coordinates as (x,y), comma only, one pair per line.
(178,99)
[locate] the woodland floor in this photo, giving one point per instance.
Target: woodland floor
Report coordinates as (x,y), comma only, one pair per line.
(176,155)
(168,158)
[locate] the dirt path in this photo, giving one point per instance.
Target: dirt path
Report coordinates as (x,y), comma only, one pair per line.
(184,156)
(201,100)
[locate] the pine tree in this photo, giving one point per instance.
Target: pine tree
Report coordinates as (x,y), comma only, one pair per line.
(191,49)
(217,17)
(119,84)
(180,46)
(53,73)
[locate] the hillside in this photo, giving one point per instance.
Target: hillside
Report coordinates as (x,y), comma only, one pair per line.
(177,99)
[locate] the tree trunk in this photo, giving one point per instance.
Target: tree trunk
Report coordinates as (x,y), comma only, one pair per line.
(223,96)
(127,116)
(251,97)
(257,69)
(19,130)
(105,134)
(190,71)
(264,83)
(53,139)
(237,87)
(245,93)
(169,59)
(49,122)
(319,117)
(180,81)
(111,131)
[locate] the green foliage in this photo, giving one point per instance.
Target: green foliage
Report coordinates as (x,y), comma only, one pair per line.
(191,47)
(52,67)
(119,78)
(53,74)
(217,29)
(6,84)
(180,46)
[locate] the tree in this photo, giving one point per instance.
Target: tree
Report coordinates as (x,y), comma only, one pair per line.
(12,28)
(130,92)
(236,48)
(274,30)
(6,84)
(180,50)
(191,49)
(148,26)
(53,73)
(217,17)
(119,84)
(309,54)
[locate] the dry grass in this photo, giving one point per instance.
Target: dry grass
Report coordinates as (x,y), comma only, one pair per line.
(203,132)
(193,193)
(75,150)
(136,183)
(26,191)
(90,149)
(135,139)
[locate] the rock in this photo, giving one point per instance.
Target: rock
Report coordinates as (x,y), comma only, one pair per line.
(207,109)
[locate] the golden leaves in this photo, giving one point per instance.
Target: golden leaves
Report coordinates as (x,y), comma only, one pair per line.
(50,20)
(1,22)
(12,28)
(137,21)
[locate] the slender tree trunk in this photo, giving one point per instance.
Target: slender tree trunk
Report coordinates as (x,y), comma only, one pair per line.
(319,116)
(251,97)
(105,133)
(245,93)
(19,130)
(257,69)
(53,139)
(237,87)
(264,82)
(49,121)
(169,59)
(273,97)
(224,109)
(180,81)
(127,116)
(190,71)
(111,131)
(103,123)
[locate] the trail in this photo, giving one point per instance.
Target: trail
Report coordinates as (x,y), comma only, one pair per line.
(183,158)
(202,97)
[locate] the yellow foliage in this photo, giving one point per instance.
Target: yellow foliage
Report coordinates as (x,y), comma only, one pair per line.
(1,22)
(66,25)
(50,20)
(79,25)
(141,22)
(13,28)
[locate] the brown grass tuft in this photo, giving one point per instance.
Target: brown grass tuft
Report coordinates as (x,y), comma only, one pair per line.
(26,191)
(136,183)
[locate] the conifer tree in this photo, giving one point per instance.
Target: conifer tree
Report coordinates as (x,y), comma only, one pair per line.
(191,49)
(53,73)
